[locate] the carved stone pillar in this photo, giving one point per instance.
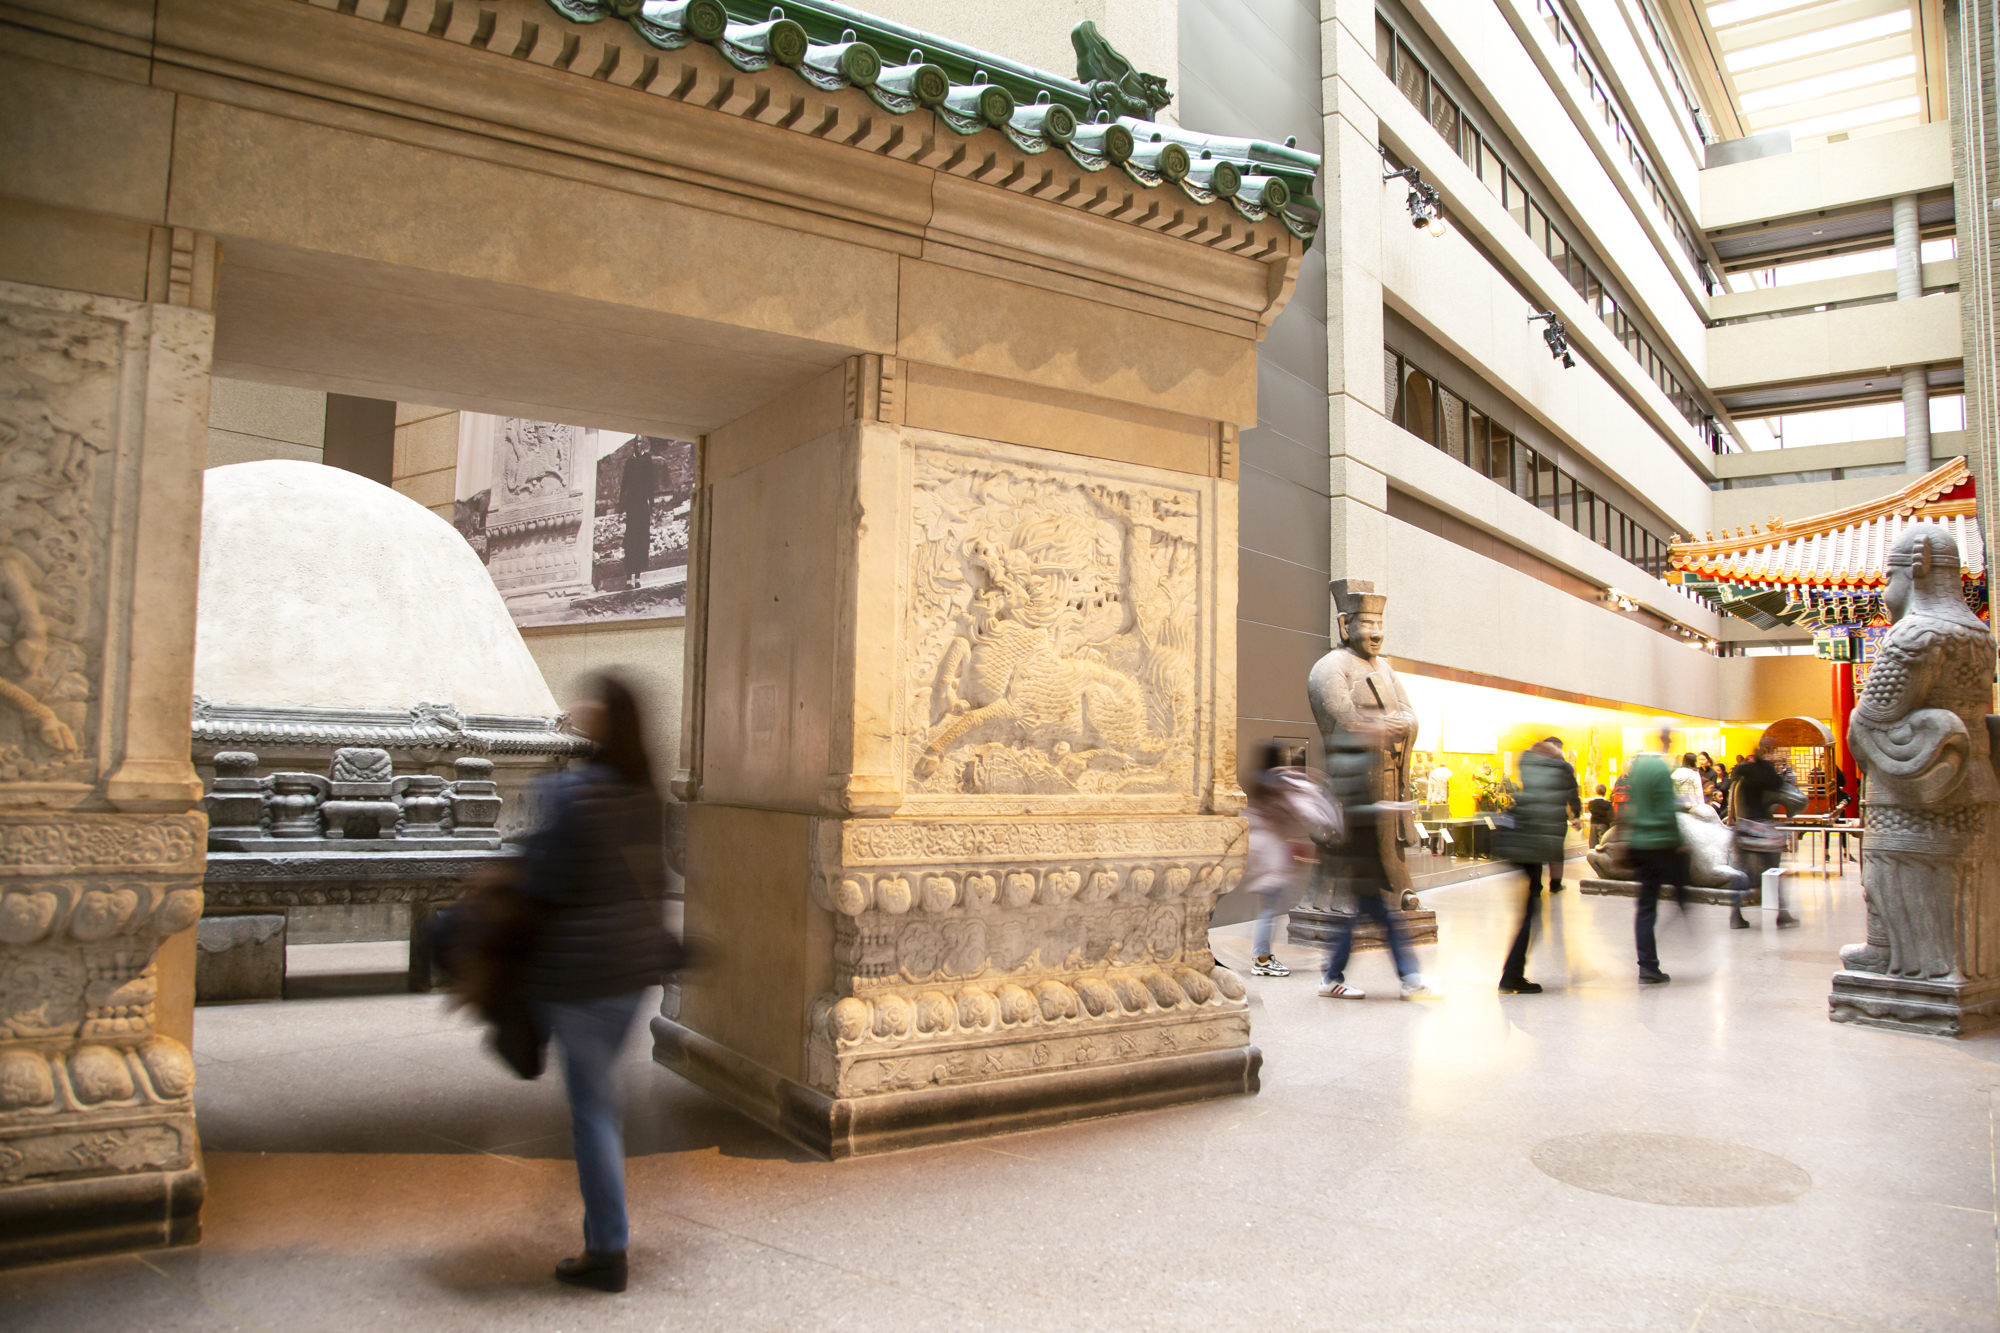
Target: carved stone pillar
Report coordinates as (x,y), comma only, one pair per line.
(103,420)
(960,754)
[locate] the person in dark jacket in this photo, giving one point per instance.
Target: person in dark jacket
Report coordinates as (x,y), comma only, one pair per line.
(1355,779)
(1759,841)
(596,870)
(1601,813)
(1541,815)
(636,487)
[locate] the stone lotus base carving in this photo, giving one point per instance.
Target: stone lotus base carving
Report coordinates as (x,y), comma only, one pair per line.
(1006,973)
(97,1140)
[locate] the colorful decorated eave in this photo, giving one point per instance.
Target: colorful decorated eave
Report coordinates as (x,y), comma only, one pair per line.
(1845,550)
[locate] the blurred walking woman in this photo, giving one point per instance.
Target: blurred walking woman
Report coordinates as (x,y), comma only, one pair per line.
(597,870)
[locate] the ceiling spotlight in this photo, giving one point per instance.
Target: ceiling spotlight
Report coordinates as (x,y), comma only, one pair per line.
(1426,209)
(1618,601)
(1556,334)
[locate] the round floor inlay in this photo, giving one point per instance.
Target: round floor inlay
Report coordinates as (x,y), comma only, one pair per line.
(1671,1169)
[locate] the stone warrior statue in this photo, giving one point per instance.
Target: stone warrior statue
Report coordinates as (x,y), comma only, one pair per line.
(1931,843)
(1354,688)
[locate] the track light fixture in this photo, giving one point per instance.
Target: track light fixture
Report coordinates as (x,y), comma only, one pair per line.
(1556,334)
(1618,601)
(1426,209)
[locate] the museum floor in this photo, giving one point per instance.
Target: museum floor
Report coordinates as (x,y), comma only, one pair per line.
(1404,1167)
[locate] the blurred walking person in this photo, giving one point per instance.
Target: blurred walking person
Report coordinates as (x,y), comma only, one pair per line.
(1541,815)
(597,873)
(1653,833)
(1288,805)
(1762,793)
(1354,769)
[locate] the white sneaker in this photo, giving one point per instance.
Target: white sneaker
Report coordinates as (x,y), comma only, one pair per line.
(1340,990)
(1416,988)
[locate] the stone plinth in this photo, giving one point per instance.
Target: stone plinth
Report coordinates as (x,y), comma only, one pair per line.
(257,883)
(1309,925)
(1940,1008)
(1693,893)
(239,958)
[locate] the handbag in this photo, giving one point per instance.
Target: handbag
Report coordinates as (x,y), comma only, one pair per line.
(481,943)
(1758,835)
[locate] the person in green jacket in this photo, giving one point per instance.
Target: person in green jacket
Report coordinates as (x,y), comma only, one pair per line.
(1653,834)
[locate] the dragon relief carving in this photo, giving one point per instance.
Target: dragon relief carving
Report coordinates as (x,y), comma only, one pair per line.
(1054,619)
(58,377)
(539,458)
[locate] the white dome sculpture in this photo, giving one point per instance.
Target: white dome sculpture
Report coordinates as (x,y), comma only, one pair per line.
(323,589)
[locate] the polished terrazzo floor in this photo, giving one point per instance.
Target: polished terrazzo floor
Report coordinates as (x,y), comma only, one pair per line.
(1710,1155)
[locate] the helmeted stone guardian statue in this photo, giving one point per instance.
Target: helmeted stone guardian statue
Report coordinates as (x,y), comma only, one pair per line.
(1931,853)
(1355,688)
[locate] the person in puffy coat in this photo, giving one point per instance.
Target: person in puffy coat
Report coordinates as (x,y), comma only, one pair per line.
(1542,810)
(596,873)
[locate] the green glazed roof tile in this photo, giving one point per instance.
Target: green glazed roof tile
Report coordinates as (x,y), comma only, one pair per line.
(1100,120)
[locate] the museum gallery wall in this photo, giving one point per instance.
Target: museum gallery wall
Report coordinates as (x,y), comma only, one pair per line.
(576,525)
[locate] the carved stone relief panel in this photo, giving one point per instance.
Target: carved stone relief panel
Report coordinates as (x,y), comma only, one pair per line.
(60,371)
(1054,628)
(972,949)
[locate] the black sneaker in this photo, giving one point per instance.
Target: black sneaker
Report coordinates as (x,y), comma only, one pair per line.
(600,1272)
(1522,987)
(1786,919)
(1652,976)
(1736,921)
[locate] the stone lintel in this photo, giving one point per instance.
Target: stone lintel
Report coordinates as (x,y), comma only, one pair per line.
(839,1127)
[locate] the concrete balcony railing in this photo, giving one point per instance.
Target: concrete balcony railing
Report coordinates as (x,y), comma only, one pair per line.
(1833,344)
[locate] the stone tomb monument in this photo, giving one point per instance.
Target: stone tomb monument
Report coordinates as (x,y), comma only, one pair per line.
(400,644)
(1355,688)
(1930,857)
(361,834)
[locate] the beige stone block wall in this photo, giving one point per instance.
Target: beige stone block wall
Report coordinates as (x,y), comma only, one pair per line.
(426,461)
(650,654)
(248,422)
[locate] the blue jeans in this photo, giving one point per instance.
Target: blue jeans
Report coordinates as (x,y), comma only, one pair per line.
(1268,906)
(1374,908)
(590,1033)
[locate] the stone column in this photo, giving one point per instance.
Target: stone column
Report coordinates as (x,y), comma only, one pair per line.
(1910,287)
(103,418)
(1973,42)
(960,764)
